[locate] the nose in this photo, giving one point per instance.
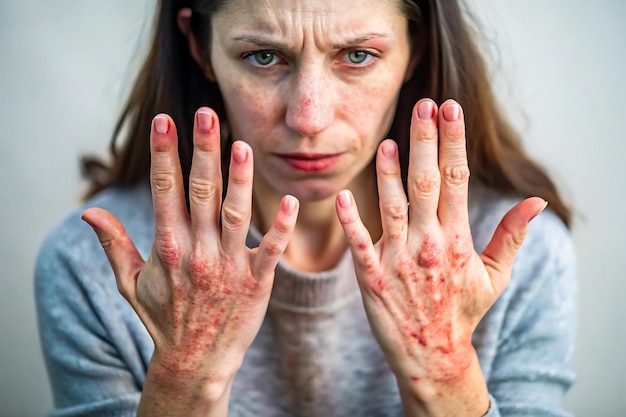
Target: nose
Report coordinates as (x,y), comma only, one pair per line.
(310,104)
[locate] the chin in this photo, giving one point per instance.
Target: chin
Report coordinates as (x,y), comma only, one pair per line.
(312,191)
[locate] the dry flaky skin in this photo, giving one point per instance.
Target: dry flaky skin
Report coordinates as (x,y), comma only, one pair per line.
(203,295)
(424,287)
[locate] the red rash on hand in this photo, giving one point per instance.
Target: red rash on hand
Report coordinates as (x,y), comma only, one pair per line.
(431,319)
(429,254)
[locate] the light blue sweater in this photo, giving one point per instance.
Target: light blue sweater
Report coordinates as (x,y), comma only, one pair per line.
(315,354)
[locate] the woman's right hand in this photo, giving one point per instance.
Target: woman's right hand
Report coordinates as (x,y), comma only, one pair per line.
(202,294)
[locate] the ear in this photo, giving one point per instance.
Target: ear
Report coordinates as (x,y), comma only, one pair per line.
(198,53)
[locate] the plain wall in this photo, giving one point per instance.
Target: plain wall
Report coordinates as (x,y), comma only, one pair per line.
(64,69)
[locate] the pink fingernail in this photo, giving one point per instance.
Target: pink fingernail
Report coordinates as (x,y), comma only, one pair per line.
(539,211)
(289,204)
(205,121)
(161,124)
(344,198)
(389,149)
(240,154)
(425,110)
(451,112)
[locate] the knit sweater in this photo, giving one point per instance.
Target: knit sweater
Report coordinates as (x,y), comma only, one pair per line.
(315,354)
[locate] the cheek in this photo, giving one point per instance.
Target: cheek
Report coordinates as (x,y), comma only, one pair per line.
(369,107)
(250,111)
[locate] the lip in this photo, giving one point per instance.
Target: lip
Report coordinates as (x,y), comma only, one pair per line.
(310,162)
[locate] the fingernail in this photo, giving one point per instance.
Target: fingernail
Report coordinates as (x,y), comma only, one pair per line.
(290,203)
(451,112)
(161,124)
(205,121)
(389,149)
(539,212)
(240,153)
(344,198)
(425,110)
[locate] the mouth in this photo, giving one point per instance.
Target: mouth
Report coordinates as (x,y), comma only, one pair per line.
(310,162)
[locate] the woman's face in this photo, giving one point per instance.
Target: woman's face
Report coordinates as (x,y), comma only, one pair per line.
(311,86)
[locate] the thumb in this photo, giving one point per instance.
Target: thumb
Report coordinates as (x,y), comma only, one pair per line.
(500,253)
(120,250)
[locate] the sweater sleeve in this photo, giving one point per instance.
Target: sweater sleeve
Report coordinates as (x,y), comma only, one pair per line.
(530,373)
(94,365)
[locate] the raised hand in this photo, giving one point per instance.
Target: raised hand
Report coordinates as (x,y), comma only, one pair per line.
(423,285)
(202,294)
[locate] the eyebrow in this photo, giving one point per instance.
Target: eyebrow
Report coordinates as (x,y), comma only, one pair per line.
(264,42)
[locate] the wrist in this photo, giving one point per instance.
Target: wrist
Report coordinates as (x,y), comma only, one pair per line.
(461,392)
(175,386)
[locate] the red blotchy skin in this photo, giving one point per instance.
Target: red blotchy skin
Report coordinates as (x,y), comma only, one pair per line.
(429,254)
(435,296)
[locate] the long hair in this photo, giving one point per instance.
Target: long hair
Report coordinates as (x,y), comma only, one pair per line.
(451,66)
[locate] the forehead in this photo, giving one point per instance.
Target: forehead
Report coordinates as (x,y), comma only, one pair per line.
(290,17)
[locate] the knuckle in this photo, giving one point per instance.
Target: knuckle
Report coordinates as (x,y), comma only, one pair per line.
(107,243)
(427,132)
(201,190)
(238,178)
(198,268)
(163,182)
(455,132)
(233,218)
(426,183)
(272,248)
(460,249)
(282,227)
(456,176)
(395,208)
(430,254)
(168,250)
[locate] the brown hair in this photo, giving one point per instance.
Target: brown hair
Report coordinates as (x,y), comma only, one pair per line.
(452,66)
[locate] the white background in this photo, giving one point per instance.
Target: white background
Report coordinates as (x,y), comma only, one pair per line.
(65,66)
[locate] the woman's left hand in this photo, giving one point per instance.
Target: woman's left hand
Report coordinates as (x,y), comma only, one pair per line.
(424,286)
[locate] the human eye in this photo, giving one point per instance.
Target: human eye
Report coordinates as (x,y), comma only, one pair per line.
(359,57)
(261,58)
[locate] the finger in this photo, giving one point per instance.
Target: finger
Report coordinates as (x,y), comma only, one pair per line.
(119,249)
(205,177)
(392,199)
(359,239)
(168,194)
(423,176)
(275,240)
(500,253)
(453,166)
(237,207)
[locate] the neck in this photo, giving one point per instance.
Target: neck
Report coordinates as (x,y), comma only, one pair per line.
(318,242)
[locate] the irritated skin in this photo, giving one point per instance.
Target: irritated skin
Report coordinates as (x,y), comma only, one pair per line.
(424,287)
(202,294)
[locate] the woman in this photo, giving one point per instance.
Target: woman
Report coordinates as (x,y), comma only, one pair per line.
(297,262)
